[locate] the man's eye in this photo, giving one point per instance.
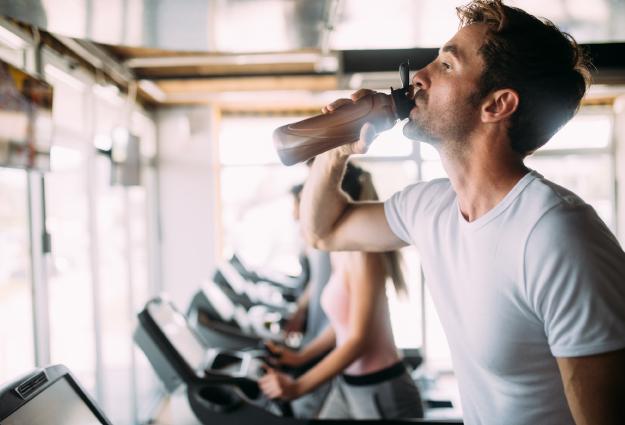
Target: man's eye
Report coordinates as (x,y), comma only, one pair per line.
(445,66)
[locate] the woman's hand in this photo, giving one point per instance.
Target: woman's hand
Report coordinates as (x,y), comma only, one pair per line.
(278,385)
(282,356)
(296,321)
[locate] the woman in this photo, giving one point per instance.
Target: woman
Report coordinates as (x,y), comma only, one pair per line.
(370,380)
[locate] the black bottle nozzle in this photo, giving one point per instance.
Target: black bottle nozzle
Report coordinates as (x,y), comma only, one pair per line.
(404,74)
(403,104)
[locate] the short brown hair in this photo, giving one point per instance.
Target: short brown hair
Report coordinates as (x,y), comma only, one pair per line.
(543,65)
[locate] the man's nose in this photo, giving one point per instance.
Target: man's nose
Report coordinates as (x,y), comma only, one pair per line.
(420,79)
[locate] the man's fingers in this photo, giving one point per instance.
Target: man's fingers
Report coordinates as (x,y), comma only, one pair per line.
(368,134)
(359,94)
(335,105)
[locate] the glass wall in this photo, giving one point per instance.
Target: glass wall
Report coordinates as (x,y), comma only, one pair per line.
(101,265)
(581,158)
(67,220)
(256,206)
(16,311)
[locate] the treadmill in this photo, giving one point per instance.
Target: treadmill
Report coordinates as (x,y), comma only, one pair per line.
(223,323)
(219,382)
(221,385)
(291,286)
(48,396)
(248,293)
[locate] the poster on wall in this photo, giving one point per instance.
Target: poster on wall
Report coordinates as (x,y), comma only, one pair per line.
(25,120)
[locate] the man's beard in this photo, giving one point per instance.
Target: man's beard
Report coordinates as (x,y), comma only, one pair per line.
(419,128)
(452,125)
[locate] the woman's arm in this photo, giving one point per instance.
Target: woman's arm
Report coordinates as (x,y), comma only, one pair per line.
(297,319)
(324,342)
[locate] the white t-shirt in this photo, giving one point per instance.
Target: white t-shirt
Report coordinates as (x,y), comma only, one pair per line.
(538,276)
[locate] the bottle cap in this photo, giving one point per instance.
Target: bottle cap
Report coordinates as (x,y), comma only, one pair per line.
(403,104)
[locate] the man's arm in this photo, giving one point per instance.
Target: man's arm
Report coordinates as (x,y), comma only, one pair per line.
(595,387)
(330,220)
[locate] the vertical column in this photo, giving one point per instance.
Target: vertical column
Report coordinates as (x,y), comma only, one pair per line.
(619,142)
(38,239)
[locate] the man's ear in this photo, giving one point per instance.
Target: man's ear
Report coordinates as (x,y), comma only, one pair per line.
(499,105)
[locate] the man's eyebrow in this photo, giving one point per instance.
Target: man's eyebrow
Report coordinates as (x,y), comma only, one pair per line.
(453,50)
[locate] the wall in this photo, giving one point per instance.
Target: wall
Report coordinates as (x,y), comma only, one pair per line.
(187,182)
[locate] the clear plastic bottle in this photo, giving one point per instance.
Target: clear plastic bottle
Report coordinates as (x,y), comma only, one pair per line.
(305,139)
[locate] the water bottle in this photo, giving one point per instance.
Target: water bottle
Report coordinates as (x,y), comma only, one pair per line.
(300,141)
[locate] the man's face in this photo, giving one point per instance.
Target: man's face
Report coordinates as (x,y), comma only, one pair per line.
(446,109)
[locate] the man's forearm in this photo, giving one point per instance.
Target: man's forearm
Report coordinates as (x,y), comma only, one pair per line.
(323,203)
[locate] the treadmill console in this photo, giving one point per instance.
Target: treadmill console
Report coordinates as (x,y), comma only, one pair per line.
(204,360)
(49,396)
(175,327)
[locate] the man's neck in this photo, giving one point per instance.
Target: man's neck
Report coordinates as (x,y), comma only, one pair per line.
(482,177)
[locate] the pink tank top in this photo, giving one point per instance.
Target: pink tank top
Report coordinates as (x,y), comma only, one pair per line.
(380,351)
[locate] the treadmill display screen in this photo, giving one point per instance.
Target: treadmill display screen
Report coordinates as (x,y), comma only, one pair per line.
(59,404)
(174,325)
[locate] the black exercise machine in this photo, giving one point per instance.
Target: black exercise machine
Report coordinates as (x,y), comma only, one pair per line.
(221,385)
(48,396)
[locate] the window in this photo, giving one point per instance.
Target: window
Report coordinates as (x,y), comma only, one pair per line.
(114,271)
(256,204)
(580,157)
(257,207)
(69,273)
(16,314)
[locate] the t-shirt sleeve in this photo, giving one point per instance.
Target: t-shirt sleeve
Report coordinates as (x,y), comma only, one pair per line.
(575,282)
(400,210)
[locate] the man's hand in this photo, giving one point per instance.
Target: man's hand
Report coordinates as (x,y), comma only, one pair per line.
(278,385)
(367,132)
(282,356)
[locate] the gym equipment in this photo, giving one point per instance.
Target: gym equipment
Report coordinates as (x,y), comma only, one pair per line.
(48,396)
(223,324)
(221,385)
(292,285)
(218,381)
(248,293)
(232,312)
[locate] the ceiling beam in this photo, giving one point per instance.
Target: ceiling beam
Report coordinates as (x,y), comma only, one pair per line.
(277,83)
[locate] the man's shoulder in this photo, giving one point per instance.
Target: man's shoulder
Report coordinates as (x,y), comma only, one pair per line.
(562,218)
(551,194)
(543,199)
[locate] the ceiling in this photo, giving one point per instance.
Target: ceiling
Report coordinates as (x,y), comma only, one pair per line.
(202,50)
(246,26)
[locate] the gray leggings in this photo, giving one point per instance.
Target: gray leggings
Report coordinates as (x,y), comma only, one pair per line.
(392,399)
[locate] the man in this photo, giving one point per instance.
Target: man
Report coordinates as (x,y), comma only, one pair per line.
(528,282)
